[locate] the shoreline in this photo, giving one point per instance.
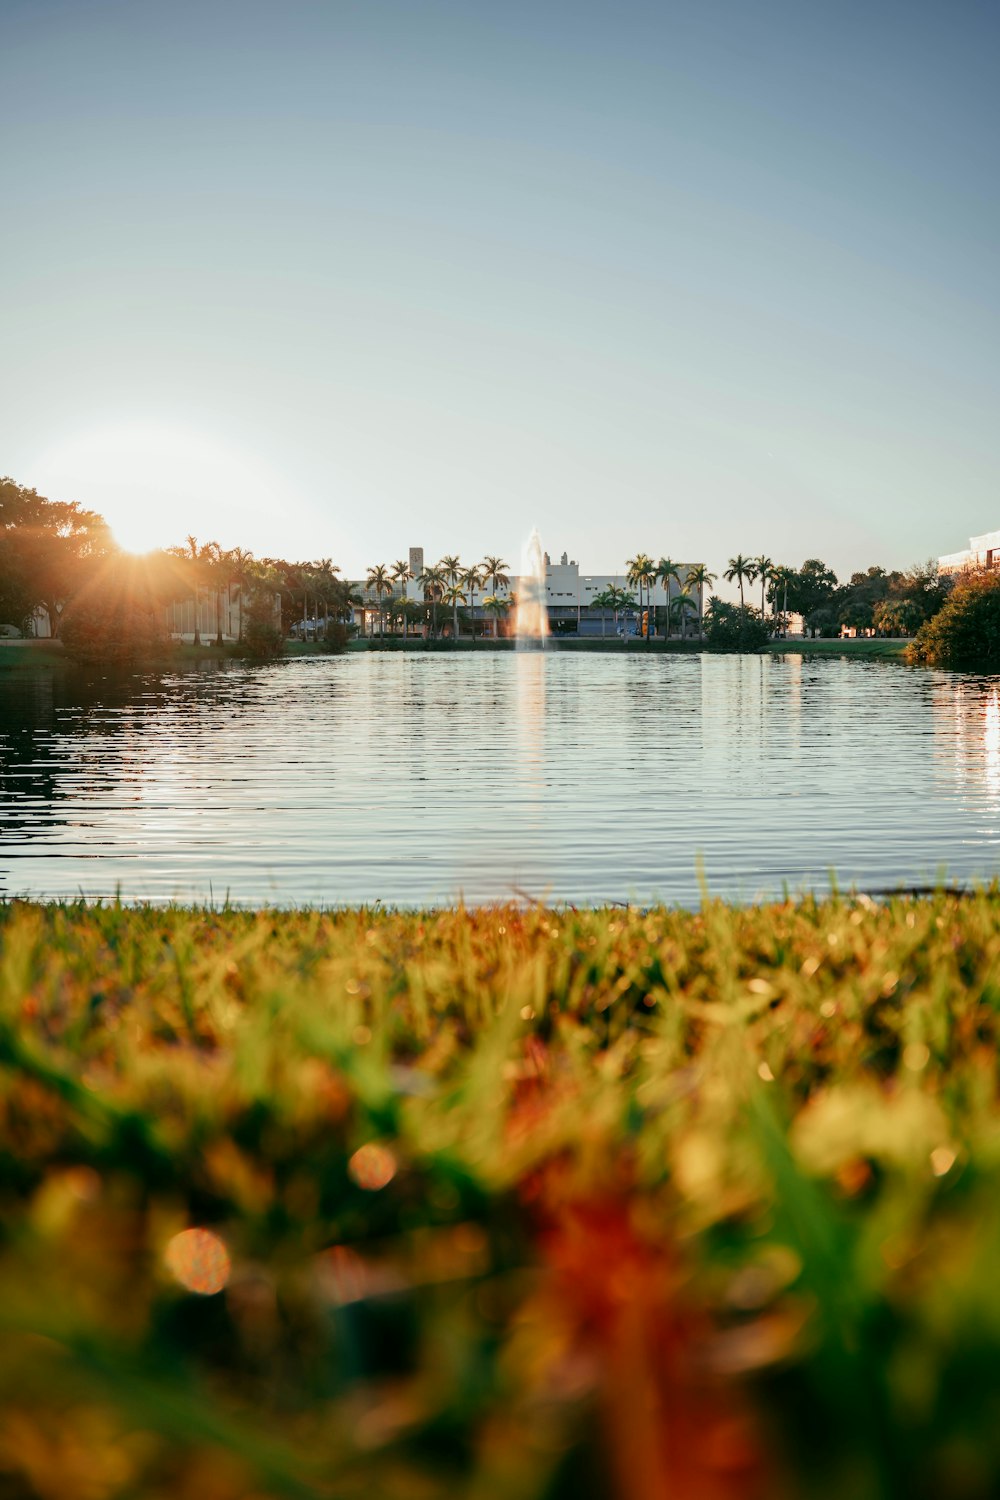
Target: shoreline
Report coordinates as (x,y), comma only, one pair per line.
(49,656)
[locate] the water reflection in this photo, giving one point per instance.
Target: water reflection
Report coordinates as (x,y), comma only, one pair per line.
(582,777)
(991,745)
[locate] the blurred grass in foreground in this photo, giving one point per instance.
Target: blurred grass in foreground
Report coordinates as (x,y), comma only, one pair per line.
(500,1204)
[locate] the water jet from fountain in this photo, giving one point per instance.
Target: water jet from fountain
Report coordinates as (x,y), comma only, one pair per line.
(531,625)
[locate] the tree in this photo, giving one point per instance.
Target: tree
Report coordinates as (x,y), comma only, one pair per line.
(741,569)
(218,573)
(49,551)
(329,589)
(603,601)
(897,616)
(241,572)
(406,612)
(471,580)
(810,590)
(495,570)
(965,632)
(433,581)
(667,570)
(400,573)
(454,596)
(734,627)
(763,568)
(679,608)
(117,621)
(700,578)
(451,567)
(264,636)
(615,599)
(779,582)
(195,560)
(378,580)
(498,609)
(641,573)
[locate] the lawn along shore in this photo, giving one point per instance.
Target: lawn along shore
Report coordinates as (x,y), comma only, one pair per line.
(49,655)
(501,1203)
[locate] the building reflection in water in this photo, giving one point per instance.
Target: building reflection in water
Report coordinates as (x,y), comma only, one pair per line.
(530,691)
(967,731)
(991,746)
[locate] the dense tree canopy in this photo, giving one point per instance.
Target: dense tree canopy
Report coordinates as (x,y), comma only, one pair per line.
(965,631)
(49,551)
(873,599)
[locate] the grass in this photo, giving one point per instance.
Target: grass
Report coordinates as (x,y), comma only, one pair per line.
(31,656)
(501,1204)
(861,646)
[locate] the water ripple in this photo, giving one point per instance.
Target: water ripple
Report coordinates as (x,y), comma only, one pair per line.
(412,779)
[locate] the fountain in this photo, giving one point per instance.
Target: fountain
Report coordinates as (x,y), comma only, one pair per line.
(532,619)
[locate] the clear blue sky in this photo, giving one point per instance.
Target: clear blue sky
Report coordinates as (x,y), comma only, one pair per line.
(335,279)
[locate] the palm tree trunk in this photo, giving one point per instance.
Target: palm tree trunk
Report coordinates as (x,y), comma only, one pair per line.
(197,612)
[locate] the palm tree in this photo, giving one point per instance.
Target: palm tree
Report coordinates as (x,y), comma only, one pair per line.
(451,567)
(496,569)
(740,568)
(401,573)
(379,580)
(327,586)
(241,570)
(604,601)
(454,596)
(471,580)
(498,609)
(615,599)
(679,607)
(433,581)
(764,568)
(780,578)
(196,558)
(217,570)
(642,573)
(666,570)
(699,576)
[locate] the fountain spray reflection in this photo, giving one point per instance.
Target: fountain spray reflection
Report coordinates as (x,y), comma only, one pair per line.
(532,620)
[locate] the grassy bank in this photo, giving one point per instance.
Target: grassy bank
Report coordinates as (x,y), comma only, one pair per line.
(46,655)
(510,1203)
(863,647)
(31,656)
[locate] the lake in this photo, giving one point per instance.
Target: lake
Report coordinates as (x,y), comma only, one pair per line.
(415,778)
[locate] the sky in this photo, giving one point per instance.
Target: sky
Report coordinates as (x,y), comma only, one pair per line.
(337,279)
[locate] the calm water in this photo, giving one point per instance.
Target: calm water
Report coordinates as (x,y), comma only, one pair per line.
(581,778)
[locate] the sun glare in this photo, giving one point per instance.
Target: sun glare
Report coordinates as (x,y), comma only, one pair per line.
(156,483)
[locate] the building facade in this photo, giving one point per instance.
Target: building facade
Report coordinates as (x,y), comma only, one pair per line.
(982,552)
(569,595)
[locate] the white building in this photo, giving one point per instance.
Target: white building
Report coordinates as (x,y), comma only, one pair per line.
(982,552)
(569,595)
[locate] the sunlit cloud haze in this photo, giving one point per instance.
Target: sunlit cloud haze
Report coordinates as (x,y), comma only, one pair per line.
(333,280)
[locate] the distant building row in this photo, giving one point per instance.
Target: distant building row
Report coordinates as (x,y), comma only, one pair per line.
(568,592)
(982,552)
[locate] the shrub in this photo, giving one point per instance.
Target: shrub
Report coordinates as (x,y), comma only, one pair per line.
(965,632)
(263,636)
(112,629)
(335,637)
(734,627)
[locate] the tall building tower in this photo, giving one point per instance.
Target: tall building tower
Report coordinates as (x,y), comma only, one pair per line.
(416,561)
